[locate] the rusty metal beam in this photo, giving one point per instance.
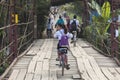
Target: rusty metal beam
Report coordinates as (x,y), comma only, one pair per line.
(114,26)
(13,29)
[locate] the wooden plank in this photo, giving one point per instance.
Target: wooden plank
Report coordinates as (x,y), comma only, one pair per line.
(14,75)
(80,63)
(82,69)
(114,73)
(37,77)
(90,69)
(49,53)
(76,76)
(108,64)
(43,45)
(107,73)
(78,52)
(46,64)
(45,72)
(53,75)
(35,58)
(118,70)
(38,69)
(21,74)
(82,51)
(35,51)
(74,52)
(42,56)
(29,77)
(45,75)
(96,69)
(30,53)
(39,53)
(31,67)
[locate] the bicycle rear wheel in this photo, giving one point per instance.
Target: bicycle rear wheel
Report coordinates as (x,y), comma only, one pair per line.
(49,34)
(63,66)
(74,41)
(74,38)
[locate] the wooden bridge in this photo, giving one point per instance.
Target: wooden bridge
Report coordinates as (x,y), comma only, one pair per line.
(38,62)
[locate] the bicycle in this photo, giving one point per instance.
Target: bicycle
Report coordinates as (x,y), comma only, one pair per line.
(49,32)
(74,38)
(63,58)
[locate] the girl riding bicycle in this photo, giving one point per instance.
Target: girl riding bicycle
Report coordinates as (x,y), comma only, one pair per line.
(63,35)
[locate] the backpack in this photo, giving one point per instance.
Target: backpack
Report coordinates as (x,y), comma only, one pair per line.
(73,25)
(64,41)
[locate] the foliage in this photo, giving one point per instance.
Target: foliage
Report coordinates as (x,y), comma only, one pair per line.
(42,11)
(1,56)
(95,5)
(98,29)
(3,67)
(101,21)
(73,8)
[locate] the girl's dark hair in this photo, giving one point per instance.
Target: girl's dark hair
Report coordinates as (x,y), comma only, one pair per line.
(74,16)
(65,30)
(63,26)
(60,17)
(60,25)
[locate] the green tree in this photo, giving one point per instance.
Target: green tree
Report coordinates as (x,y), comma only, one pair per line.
(43,7)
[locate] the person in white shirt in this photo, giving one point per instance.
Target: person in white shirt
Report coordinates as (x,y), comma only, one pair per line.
(49,28)
(77,21)
(74,25)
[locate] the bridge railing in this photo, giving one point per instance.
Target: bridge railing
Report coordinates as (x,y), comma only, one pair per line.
(105,44)
(15,37)
(6,53)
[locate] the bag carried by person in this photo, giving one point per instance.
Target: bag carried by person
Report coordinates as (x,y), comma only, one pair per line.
(64,41)
(73,25)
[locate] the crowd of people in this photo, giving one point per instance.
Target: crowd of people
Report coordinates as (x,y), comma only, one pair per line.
(70,24)
(64,28)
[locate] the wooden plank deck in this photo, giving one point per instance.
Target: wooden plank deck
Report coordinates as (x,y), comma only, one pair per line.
(39,63)
(91,69)
(99,58)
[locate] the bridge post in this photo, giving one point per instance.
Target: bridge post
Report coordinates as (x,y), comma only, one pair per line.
(12,30)
(35,19)
(35,27)
(114,27)
(85,14)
